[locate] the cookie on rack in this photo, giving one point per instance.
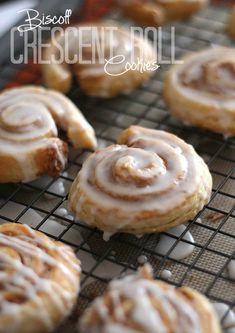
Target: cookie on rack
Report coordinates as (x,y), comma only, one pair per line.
(29,143)
(159,12)
(139,304)
(114,60)
(149,182)
(201,91)
(39,280)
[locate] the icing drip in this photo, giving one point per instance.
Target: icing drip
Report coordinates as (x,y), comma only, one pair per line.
(231,269)
(146,301)
(107,235)
(62,211)
(226,315)
(142,259)
(26,270)
(166,274)
(182,250)
(57,186)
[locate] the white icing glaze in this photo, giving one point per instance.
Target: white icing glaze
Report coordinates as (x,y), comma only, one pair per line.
(107,235)
(70,217)
(182,249)
(57,186)
(142,166)
(61,211)
(19,278)
(166,274)
(139,236)
(28,118)
(208,76)
(142,259)
(231,269)
(143,314)
(226,315)
(157,173)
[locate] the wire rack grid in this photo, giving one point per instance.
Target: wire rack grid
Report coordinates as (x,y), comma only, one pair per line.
(38,203)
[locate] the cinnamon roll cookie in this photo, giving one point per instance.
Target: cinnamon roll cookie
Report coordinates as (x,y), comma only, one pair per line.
(149,182)
(106,59)
(138,304)
(201,91)
(29,146)
(159,12)
(39,280)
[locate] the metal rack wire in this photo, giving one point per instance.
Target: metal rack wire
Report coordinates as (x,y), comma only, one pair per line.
(213,229)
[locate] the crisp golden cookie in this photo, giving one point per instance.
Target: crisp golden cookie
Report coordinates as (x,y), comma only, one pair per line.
(139,304)
(201,91)
(29,143)
(149,182)
(159,12)
(116,60)
(39,280)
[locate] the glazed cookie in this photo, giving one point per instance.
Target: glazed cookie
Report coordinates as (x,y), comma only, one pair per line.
(149,182)
(39,280)
(114,60)
(138,304)
(201,91)
(29,143)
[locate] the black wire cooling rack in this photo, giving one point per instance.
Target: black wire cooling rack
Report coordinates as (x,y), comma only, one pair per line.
(38,203)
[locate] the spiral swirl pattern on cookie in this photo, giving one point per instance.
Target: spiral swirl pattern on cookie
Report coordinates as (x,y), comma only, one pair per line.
(138,304)
(201,91)
(39,280)
(22,119)
(213,74)
(29,140)
(143,180)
